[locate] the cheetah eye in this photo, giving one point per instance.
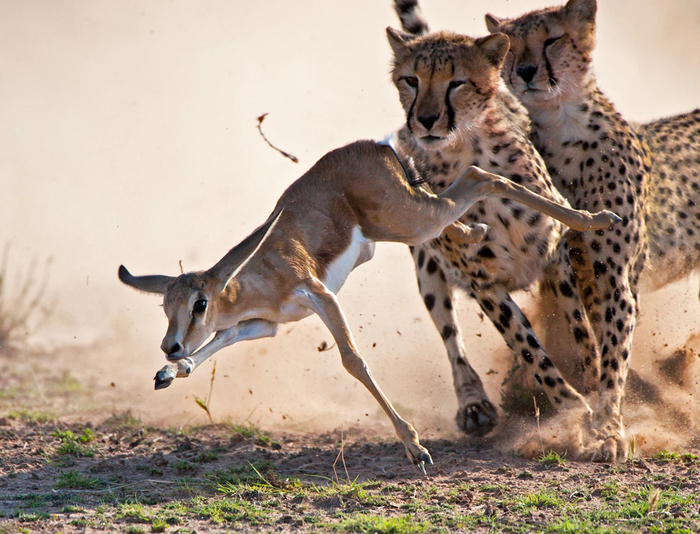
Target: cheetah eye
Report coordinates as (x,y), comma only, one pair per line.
(455,83)
(551,41)
(199,306)
(412,81)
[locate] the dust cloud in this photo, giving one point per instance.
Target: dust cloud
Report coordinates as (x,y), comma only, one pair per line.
(127,135)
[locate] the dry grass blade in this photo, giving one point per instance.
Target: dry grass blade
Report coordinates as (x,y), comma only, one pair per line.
(632,447)
(204,404)
(539,431)
(261,118)
(17,311)
(653,500)
(341,455)
(211,382)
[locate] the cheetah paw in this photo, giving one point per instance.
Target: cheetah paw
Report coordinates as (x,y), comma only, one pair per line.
(608,450)
(477,419)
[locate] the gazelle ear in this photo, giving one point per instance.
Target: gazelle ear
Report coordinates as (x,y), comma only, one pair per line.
(492,23)
(150,284)
(238,257)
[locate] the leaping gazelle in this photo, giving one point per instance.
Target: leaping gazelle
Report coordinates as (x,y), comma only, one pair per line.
(324,225)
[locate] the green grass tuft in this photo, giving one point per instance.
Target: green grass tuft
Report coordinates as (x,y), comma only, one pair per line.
(76,480)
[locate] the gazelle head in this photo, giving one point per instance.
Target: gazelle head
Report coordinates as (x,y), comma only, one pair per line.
(193,302)
(189,302)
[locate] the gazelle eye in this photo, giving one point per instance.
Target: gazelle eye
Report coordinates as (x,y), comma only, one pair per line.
(199,306)
(412,81)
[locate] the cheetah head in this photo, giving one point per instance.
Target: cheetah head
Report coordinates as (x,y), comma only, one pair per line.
(550,52)
(446,82)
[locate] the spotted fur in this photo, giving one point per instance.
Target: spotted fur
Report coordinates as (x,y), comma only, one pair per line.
(597,161)
(673,223)
(458,114)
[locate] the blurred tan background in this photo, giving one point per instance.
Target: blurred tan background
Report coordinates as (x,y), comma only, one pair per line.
(127,135)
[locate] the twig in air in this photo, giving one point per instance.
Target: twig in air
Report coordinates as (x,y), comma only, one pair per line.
(261,118)
(323,347)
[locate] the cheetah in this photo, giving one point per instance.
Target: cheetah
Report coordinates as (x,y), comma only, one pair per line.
(596,160)
(458,113)
(673,222)
(673,215)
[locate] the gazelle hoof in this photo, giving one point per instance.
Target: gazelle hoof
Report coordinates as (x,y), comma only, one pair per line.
(420,457)
(162,384)
(164,378)
(423,458)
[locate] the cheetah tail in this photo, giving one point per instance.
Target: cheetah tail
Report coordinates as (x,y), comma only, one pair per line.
(411,19)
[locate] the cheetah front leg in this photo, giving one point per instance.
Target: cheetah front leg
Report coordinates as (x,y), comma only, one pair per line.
(517,331)
(616,332)
(476,414)
(611,300)
(561,281)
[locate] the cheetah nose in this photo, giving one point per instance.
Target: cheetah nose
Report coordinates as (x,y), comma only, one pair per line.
(526,72)
(428,121)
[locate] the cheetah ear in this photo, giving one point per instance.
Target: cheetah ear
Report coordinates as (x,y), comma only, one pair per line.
(582,10)
(398,41)
(494,47)
(492,23)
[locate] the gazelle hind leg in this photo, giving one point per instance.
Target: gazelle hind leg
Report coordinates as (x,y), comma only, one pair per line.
(324,303)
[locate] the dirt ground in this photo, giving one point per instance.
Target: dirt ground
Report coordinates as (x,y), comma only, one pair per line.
(66,468)
(130,478)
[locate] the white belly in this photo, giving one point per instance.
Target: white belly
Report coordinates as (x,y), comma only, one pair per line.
(359,251)
(293,311)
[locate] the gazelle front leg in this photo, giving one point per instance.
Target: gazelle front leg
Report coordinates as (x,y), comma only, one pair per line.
(252,329)
(476,184)
(466,234)
(323,302)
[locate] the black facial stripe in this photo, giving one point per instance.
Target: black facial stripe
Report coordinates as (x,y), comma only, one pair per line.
(450,113)
(550,73)
(409,115)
